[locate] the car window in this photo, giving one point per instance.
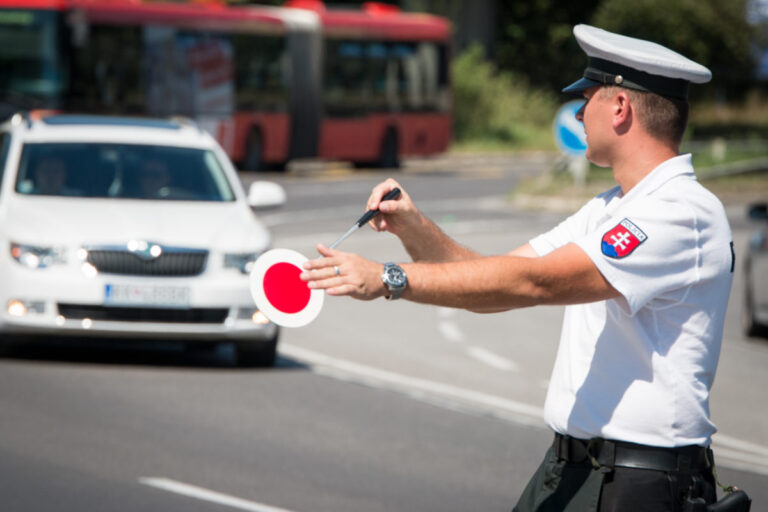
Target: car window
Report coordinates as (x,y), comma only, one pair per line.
(122,171)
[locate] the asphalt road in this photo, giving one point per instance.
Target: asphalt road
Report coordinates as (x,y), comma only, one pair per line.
(373,407)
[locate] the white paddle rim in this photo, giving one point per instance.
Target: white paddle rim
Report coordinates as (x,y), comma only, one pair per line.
(260,268)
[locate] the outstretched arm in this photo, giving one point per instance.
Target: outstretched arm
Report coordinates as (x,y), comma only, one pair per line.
(564,276)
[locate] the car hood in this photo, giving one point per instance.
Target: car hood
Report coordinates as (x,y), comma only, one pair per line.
(68,221)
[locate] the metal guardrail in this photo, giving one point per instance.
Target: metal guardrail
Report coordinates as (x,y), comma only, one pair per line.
(719,148)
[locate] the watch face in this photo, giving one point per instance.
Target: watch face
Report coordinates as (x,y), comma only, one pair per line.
(395,276)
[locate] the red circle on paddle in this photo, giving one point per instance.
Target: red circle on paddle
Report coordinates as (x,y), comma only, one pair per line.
(283,288)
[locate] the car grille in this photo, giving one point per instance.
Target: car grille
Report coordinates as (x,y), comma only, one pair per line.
(173,262)
(128,314)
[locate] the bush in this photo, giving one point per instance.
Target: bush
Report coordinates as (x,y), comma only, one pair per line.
(715,33)
(501,107)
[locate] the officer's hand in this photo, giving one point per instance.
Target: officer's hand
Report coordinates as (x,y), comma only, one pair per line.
(357,277)
(397,215)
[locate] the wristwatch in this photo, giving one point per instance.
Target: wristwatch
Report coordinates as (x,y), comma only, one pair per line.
(395,280)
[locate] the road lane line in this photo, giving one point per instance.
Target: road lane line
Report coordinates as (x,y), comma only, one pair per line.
(413,386)
(200,493)
(730,452)
(450,331)
(495,361)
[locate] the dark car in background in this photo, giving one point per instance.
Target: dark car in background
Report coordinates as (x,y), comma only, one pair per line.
(756,274)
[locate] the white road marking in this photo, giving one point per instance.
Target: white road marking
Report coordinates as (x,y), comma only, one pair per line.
(450,331)
(413,386)
(729,451)
(201,493)
(495,361)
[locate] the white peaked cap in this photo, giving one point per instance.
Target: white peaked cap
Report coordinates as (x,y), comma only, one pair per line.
(625,61)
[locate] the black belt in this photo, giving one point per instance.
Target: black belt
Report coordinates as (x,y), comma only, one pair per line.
(629,455)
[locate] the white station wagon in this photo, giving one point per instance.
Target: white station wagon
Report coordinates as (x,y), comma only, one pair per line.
(119,227)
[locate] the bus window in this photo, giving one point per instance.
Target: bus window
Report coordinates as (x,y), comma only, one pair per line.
(370,76)
(261,72)
(31,68)
(107,71)
(348,85)
(423,75)
(204,73)
(379,63)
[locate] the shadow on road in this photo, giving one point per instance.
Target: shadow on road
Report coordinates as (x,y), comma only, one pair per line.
(155,353)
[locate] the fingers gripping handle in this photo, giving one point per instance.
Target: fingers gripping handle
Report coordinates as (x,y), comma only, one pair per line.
(392,194)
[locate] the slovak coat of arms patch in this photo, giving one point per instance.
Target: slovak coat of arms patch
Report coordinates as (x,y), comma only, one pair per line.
(620,241)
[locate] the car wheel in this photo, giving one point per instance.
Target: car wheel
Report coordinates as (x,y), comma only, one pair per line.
(750,325)
(254,354)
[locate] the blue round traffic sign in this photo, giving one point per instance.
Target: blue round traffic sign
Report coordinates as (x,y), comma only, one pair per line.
(569,132)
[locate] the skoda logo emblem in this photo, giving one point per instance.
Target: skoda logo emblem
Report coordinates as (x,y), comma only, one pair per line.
(147,251)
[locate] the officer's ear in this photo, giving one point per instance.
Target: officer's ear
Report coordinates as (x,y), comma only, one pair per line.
(621,110)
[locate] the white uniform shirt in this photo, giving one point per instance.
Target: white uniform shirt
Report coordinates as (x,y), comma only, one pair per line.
(639,368)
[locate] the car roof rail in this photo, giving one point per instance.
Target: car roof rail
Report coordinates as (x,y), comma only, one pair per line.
(186,121)
(40,113)
(32,116)
(20,117)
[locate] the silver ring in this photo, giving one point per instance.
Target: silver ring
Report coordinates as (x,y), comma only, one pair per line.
(338,272)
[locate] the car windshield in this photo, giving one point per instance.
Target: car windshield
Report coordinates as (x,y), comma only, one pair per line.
(122,171)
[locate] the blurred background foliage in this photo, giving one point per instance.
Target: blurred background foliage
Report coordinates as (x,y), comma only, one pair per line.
(535,44)
(498,107)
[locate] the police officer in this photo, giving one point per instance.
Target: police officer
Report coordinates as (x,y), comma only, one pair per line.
(645,269)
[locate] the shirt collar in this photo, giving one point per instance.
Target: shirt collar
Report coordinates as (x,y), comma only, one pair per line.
(680,165)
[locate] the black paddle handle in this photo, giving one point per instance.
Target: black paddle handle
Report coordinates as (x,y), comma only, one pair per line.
(392,194)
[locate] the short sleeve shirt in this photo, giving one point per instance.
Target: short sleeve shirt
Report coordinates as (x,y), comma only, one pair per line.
(639,368)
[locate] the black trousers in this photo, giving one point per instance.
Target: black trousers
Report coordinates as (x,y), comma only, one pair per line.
(561,486)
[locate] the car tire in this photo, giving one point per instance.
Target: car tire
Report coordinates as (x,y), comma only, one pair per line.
(251,354)
(750,326)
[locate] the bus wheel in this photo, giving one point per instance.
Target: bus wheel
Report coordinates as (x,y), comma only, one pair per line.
(254,153)
(389,158)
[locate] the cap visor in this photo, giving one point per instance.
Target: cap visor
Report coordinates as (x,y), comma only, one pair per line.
(579,86)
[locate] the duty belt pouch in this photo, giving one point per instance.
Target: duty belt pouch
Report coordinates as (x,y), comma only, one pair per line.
(735,501)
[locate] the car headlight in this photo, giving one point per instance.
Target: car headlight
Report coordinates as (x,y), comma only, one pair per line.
(32,256)
(243,261)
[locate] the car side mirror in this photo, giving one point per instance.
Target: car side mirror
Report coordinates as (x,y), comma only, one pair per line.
(758,211)
(264,195)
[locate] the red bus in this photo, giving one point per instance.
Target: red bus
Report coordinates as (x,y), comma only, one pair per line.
(272,84)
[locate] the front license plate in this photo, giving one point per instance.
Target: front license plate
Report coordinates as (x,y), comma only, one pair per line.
(146,295)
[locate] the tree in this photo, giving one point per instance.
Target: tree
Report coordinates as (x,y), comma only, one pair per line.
(712,32)
(535,40)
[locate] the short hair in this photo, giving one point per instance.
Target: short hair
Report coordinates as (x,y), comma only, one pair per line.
(662,117)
